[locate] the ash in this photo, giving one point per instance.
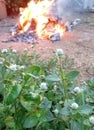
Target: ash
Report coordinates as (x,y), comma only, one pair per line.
(30,35)
(26,37)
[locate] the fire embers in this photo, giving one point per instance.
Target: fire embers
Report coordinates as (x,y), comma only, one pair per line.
(36,23)
(53,30)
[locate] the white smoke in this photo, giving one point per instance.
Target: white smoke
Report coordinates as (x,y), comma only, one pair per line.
(67,7)
(62,6)
(71,6)
(88,4)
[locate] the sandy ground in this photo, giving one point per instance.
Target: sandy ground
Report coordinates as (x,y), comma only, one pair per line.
(77,44)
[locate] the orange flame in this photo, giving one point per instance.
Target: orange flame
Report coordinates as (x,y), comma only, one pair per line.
(36,17)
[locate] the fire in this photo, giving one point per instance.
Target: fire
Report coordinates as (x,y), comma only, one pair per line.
(36,16)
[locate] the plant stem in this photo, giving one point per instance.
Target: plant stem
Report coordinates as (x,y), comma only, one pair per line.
(82,123)
(83,99)
(83,102)
(62,77)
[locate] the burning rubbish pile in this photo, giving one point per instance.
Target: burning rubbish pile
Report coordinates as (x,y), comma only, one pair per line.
(36,23)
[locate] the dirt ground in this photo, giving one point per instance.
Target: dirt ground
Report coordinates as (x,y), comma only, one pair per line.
(77,44)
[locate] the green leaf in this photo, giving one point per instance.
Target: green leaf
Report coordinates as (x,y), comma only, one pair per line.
(45,116)
(30,122)
(13,94)
(72,75)
(87,123)
(49,116)
(85,109)
(1,108)
(26,77)
(9,121)
(92,81)
(46,104)
(53,78)
(25,104)
(65,111)
(35,70)
(75,125)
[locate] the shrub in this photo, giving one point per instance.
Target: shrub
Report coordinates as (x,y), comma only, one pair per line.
(43,96)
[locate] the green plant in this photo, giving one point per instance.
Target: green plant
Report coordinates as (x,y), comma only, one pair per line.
(43,96)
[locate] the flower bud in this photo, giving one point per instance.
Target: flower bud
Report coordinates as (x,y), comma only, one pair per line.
(59,52)
(4,51)
(43,86)
(13,67)
(56,111)
(74,105)
(14,51)
(1,63)
(77,90)
(91,119)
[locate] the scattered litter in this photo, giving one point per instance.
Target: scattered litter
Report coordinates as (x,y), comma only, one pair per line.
(55,37)
(13,28)
(76,21)
(68,26)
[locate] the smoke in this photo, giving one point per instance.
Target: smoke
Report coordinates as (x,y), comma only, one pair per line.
(65,8)
(88,4)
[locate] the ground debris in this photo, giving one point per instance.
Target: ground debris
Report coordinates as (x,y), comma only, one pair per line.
(30,35)
(26,37)
(55,37)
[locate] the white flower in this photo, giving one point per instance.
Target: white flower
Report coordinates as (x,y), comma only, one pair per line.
(34,95)
(25,49)
(43,86)
(59,52)
(74,105)
(91,119)
(4,51)
(60,102)
(1,63)
(55,87)
(77,90)
(56,111)
(89,100)
(22,67)
(14,51)
(13,67)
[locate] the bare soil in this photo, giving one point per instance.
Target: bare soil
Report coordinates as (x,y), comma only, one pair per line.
(77,44)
